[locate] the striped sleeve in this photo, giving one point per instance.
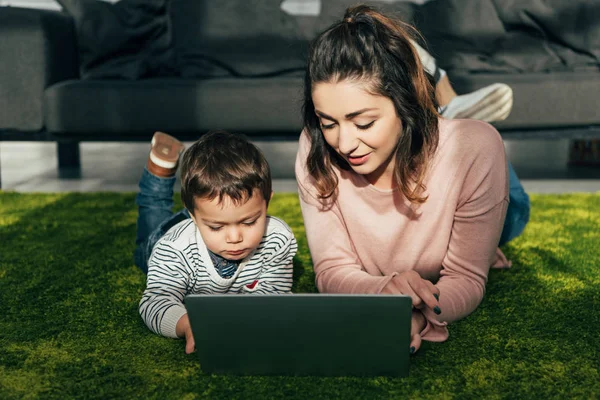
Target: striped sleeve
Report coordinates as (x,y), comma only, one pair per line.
(168,280)
(277,269)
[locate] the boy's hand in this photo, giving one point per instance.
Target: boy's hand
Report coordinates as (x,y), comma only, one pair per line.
(184,330)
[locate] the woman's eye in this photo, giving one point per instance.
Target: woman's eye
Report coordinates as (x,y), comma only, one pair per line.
(367,126)
(323,126)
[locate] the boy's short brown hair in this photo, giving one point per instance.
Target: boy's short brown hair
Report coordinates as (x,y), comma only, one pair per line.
(221,164)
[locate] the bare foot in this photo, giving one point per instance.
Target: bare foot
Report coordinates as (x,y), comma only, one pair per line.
(501,262)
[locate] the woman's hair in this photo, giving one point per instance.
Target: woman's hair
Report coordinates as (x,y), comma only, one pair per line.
(223,164)
(367,46)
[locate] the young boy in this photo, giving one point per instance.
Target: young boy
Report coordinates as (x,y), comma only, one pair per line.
(222,242)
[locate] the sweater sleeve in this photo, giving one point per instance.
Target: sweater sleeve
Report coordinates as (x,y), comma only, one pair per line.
(475,234)
(277,271)
(161,305)
(336,264)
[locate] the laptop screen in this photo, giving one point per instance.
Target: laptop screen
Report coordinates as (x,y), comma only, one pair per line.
(302,334)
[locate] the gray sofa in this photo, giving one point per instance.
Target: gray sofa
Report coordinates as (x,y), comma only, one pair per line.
(200,64)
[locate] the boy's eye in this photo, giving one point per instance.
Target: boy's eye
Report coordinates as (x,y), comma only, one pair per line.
(251,222)
(214,228)
(367,126)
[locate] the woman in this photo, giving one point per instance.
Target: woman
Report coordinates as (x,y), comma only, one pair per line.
(395,198)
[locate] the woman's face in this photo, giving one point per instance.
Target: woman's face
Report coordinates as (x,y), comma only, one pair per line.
(361,127)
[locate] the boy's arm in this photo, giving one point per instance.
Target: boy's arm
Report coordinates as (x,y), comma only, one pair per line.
(277,269)
(162,306)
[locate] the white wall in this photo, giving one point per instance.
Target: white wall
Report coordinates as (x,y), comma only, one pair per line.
(308,7)
(43,4)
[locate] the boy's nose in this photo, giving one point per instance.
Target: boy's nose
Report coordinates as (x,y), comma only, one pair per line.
(234,235)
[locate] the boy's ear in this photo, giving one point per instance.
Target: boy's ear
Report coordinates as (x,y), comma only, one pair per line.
(271,198)
(192,216)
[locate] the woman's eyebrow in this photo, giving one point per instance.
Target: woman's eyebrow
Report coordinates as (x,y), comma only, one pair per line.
(323,115)
(347,116)
(356,113)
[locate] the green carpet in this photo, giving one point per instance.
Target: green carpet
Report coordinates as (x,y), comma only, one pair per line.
(69,326)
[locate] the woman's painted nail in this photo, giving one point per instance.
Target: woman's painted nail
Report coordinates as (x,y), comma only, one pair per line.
(437,310)
(412,350)
(437,297)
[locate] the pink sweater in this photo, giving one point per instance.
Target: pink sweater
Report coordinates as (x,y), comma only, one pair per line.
(371,235)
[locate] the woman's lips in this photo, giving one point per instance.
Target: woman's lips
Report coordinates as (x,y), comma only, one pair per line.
(359,159)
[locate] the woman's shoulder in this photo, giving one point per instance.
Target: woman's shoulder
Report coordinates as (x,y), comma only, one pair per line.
(467,148)
(303,145)
(470,134)
(302,176)
(465,142)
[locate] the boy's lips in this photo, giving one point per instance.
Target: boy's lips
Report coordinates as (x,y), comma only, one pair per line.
(236,252)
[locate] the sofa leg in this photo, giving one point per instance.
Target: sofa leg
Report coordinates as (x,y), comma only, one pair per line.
(68,155)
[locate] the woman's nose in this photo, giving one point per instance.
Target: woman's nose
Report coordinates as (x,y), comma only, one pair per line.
(347,141)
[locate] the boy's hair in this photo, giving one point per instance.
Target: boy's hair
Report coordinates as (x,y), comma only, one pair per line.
(367,46)
(222,164)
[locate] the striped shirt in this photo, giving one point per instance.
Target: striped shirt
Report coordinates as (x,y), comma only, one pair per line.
(180,264)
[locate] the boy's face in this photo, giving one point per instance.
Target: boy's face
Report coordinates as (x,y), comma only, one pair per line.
(229,230)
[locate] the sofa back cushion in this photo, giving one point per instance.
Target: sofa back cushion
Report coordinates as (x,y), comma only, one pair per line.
(333,11)
(237,38)
(508,36)
(130,39)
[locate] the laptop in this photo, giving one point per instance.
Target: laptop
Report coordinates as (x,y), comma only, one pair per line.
(302,334)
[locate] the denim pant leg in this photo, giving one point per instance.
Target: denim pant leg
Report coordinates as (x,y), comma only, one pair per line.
(155,214)
(517,214)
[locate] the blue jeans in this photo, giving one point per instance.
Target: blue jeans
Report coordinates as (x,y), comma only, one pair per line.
(155,215)
(517,214)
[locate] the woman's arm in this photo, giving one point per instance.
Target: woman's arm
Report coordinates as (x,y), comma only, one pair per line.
(476,230)
(337,267)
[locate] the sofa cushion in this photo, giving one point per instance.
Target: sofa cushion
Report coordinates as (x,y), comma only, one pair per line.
(333,11)
(512,36)
(105,108)
(271,106)
(130,39)
(542,100)
(235,38)
(37,49)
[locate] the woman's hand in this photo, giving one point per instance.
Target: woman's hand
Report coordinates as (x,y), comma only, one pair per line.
(183,329)
(416,326)
(422,292)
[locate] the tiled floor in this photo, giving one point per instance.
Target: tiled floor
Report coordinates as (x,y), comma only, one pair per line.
(31,167)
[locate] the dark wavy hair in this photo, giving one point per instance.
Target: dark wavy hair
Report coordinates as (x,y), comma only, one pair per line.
(221,164)
(371,47)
